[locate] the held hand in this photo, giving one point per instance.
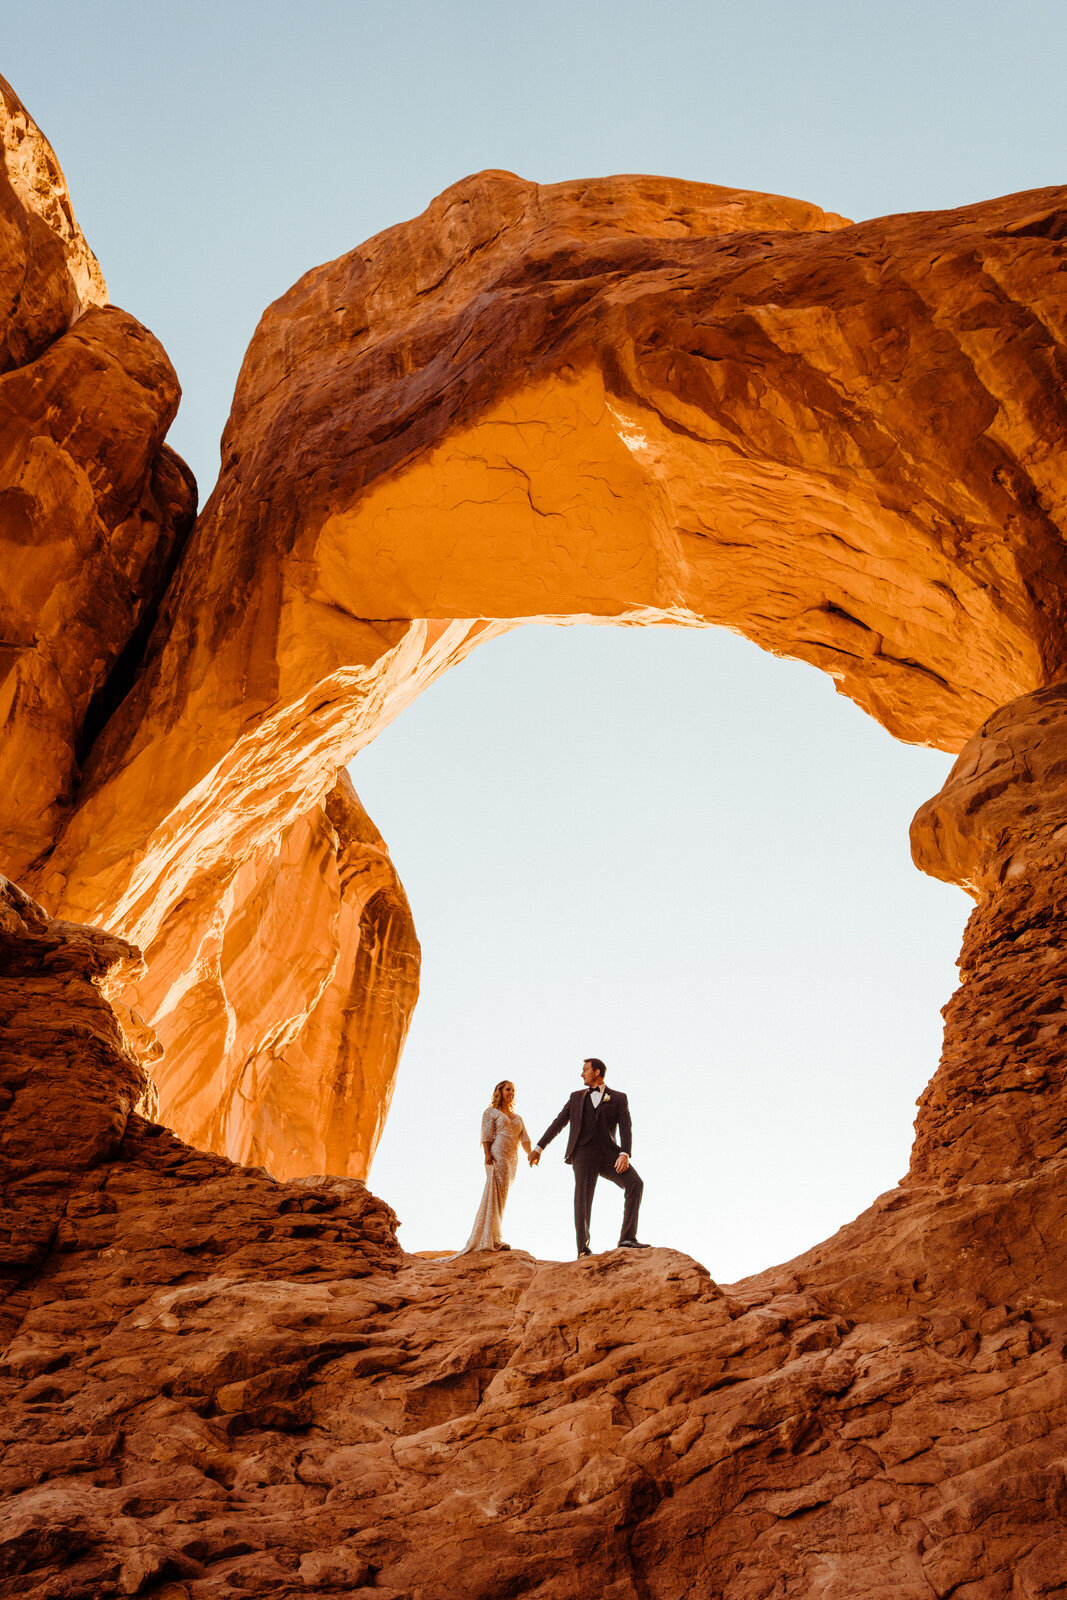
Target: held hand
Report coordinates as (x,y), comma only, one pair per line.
(622,1163)
(535,1156)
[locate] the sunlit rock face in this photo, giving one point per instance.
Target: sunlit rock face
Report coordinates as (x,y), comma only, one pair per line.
(291,964)
(314,937)
(631,400)
(94,507)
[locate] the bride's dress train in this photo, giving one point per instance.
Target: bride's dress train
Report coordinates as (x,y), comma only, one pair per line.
(504,1132)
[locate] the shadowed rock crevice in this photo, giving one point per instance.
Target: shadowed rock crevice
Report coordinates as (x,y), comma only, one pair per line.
(173,485)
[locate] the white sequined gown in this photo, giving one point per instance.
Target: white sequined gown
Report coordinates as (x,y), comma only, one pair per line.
(504,1132)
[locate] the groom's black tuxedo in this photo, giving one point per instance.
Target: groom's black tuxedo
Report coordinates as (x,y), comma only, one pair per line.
(592,1151)
(591,1124)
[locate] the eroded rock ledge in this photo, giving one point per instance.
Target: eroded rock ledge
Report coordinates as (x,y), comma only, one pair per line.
(213,1383)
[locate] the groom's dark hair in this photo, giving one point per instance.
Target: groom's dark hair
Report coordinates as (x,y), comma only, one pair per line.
(597,1065)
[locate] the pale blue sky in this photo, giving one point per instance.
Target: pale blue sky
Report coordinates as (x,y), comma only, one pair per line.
(663,848)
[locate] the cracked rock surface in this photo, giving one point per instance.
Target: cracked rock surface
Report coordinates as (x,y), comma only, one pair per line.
(213,1383)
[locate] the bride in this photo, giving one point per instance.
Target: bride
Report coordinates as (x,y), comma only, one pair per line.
(502,1133)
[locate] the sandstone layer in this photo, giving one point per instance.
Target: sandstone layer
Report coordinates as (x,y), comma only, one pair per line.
(214,1383)
(997,1110)
(287,1016)
(629,400)
(94,507)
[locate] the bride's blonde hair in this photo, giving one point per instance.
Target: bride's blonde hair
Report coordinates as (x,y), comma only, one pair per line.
(497,1101)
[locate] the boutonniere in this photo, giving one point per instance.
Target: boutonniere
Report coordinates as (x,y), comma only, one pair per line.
(606,1096)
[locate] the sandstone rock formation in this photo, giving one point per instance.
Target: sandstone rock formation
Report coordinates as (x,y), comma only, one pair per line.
(94,513)
(216,1384)
(631,400)
(316,942)
(94,507)
(997,1110)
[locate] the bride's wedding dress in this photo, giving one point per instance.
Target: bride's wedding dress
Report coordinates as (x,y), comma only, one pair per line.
(504,1131)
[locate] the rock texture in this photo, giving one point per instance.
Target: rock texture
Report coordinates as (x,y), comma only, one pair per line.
(632,400)
(998,1108)
(289,1012)
(98,1206)
(94,507)
(94,512)
(213,1383)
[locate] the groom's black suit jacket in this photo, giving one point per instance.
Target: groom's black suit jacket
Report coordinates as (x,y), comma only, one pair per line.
(611,1117)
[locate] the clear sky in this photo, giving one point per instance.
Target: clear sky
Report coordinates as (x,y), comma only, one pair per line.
(660,847)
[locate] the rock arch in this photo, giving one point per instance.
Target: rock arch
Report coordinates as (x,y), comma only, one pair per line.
(632,400)
(648,401)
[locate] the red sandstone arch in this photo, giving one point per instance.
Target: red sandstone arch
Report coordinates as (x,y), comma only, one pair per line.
(630,399)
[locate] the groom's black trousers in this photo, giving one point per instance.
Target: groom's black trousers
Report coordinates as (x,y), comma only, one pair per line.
(591,1162)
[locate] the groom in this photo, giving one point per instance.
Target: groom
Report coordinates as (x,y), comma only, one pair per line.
(595,1114)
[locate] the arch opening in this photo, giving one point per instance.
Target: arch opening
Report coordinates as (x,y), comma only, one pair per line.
(630,401)
(666,848)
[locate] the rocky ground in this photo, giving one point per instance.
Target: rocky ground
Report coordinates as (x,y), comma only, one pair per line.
(203,1398)
(214,1383)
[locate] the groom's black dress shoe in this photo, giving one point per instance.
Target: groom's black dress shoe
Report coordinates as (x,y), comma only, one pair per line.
(582,1253)
(633,1244)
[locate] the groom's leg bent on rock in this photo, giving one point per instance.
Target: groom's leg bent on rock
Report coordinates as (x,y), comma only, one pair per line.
(586,1171)
(633,1188)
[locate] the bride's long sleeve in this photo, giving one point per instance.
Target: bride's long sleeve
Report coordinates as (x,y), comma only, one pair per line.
(524,1137)
(488,1126)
